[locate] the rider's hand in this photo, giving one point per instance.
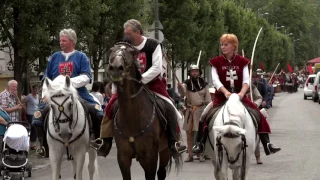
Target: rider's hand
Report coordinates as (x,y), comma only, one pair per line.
(240,95)
(227,94)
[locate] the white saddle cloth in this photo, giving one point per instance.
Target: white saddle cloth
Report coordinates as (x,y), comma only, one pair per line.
(17,138)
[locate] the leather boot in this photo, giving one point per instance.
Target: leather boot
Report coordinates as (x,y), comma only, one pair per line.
(201,139)
(175,146)
(269,148)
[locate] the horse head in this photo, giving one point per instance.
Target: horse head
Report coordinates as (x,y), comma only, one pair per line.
(123,64)
(61,97)
(231,135)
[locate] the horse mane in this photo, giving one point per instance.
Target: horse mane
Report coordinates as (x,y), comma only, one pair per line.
(58,87)
(235,108)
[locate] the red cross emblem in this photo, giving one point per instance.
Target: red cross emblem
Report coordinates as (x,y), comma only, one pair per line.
(142,59)
(66,68)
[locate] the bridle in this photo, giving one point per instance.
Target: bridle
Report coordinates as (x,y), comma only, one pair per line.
(221,147)
(68,119)
(127,65)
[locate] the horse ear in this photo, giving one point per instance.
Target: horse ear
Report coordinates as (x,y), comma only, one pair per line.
(48,83)
(67,85)
(220,129)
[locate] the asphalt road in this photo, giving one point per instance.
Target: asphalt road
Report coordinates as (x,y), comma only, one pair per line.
(295,128)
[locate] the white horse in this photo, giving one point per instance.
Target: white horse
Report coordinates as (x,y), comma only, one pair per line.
(232,140)
(68,129)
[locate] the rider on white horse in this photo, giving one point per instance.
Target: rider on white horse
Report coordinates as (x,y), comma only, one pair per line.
(75,64)
(230,74)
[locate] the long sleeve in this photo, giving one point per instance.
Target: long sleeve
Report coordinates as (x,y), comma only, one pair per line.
(215,78)
(156,68)
(245,75)
(257,97)
(182,90)
(80,81)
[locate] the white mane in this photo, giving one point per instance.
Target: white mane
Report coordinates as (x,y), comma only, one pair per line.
(235,108)
(59,87)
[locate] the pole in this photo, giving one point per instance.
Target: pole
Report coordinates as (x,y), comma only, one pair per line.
(156,21)
(251,64)
(199,58)
(274,73)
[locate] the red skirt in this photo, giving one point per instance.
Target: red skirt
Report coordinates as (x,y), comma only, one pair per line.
(263,126)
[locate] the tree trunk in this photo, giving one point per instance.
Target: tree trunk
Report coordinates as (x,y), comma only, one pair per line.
(17,62)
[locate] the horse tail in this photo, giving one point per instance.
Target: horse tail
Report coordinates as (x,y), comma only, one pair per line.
(178,163)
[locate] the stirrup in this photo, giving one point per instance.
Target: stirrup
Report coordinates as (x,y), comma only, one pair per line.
(96,144)
(177,145)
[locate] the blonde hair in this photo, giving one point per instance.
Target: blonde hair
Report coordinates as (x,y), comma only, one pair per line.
(232,39)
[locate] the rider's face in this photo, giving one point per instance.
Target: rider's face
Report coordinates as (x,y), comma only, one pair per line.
(66,44)
(227,48)
(132,36)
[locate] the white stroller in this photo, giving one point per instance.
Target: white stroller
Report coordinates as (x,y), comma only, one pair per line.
(15,152)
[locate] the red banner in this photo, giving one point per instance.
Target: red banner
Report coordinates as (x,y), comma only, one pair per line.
(261,66)
(290,68)
(310,69)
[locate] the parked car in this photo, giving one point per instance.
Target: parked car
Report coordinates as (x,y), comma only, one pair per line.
(316,86)
(308,86)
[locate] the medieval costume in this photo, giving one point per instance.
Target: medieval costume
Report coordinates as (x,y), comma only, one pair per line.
(150,59)
(230,76)
(197,96)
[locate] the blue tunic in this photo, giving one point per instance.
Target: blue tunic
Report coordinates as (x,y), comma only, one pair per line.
(77,64)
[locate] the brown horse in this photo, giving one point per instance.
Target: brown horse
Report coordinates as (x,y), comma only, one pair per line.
(138,132)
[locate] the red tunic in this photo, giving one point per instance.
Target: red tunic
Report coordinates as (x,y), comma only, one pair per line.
(224,70)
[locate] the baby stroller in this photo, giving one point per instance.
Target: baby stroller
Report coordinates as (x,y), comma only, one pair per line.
(14,157)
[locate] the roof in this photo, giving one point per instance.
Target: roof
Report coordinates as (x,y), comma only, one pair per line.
(316,60)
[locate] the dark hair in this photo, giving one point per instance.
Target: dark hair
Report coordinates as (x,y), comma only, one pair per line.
(96,86)
(169,86)
(35,86)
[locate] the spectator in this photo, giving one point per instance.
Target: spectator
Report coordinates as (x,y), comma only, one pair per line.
(172,94)
(95,91)
(4,119)
(32,103)
(9,101)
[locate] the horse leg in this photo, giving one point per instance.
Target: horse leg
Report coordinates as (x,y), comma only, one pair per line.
(79,156)
(124,164)
(236,173)
(74,167)
(91,166)
(149,165)
(223,173)
(163,164)
(55,161)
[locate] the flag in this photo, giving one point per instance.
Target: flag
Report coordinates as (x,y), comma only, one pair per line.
(261,66)
(289,68)
(310,69)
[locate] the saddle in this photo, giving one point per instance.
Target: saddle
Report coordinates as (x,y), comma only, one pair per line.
(212,114)
(160,105)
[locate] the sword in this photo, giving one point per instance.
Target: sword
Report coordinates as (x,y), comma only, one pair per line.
(251,65)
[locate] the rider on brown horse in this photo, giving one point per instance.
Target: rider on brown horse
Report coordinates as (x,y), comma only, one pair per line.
(150,60)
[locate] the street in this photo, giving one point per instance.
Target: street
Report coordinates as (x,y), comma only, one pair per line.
(294,128)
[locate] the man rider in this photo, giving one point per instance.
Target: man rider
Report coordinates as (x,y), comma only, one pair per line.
(150,59)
